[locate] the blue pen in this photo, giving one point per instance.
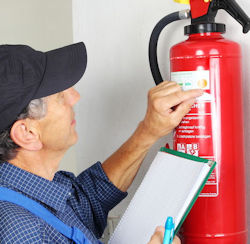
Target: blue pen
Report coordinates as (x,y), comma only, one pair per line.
(169,231)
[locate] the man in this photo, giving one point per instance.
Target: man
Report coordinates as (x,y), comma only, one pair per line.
(37,126)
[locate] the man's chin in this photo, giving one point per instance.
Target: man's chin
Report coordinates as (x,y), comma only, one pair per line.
(74,139)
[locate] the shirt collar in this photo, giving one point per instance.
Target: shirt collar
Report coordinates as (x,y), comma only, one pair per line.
(51,193)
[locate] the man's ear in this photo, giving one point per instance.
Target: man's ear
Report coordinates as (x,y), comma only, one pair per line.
(25,135)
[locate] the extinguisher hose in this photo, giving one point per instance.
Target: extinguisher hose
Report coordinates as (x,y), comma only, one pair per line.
(153,43)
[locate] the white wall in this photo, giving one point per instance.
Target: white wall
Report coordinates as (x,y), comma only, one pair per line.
(43,25)
(114,88)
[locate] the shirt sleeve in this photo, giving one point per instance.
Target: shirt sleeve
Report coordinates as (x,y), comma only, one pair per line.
(96,195)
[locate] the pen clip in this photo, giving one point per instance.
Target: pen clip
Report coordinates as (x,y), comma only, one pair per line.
(172,235)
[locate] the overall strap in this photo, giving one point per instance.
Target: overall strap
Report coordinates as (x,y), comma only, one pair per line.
(37,209)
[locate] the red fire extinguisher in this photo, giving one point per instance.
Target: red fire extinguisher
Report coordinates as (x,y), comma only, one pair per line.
(213,129)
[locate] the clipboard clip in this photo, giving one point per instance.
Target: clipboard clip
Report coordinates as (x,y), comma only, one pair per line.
(169,231)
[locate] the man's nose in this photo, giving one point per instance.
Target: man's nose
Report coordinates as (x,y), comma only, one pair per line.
(74,96)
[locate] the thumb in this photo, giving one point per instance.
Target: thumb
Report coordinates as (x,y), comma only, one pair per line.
(157,237)
(182,109)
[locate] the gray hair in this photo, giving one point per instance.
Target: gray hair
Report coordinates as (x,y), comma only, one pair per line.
(37,109)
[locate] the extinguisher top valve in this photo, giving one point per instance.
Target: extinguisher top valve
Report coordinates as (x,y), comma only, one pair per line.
(203,13)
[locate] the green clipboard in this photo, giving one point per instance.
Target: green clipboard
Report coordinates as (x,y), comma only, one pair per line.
(170,187)
(212,165)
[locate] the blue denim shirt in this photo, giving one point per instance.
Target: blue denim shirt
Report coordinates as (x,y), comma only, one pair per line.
(83,202)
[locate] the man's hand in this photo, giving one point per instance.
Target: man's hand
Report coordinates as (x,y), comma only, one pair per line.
(167,105)
(158,236)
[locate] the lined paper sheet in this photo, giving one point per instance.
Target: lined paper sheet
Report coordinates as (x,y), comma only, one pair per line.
(167,190)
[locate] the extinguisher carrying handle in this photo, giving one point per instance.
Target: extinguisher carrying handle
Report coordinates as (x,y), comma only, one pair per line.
(233,8)
(153,60)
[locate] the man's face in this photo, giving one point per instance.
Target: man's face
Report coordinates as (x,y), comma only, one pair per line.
(57,128)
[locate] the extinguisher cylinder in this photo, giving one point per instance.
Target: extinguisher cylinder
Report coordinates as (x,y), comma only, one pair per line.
(213,129)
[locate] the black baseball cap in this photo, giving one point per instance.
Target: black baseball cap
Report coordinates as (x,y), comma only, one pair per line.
(27,74)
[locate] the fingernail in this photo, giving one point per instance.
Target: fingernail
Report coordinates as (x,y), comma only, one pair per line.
(158,228)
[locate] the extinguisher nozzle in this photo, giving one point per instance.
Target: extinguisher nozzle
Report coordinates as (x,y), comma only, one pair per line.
(246,28)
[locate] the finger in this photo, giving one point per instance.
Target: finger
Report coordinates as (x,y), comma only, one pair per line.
(158,235)
(176,240)
(167,90)
(182,109)
(178,97)
(164,84)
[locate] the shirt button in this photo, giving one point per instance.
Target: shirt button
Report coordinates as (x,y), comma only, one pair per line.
(69,194)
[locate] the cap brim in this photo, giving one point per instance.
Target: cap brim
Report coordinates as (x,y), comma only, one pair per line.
(64,68)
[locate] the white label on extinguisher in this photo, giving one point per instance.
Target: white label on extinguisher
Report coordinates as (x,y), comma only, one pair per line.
(198,79)
(194,135)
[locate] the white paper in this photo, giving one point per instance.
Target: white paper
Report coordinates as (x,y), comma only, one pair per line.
(167,190)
